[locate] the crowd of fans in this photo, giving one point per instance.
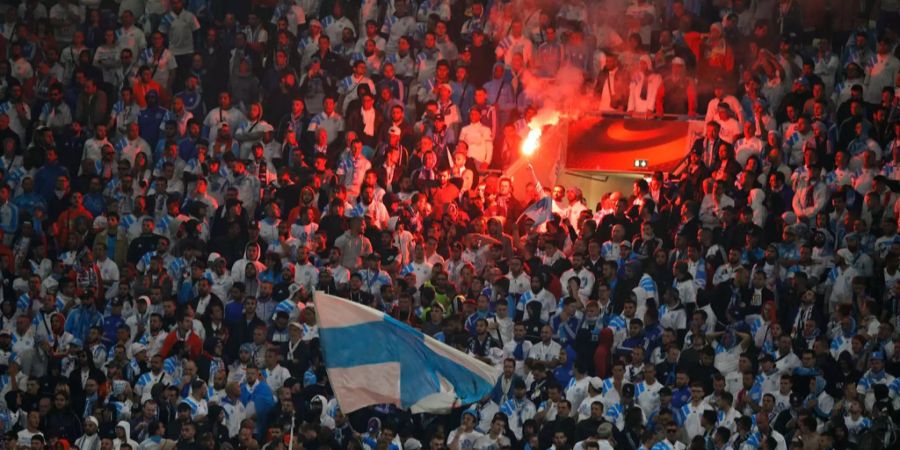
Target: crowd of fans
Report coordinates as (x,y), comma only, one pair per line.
(179,177)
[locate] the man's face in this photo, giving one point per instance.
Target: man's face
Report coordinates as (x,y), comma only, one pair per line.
(519,332)
(628,309)
(784,386)
(22,324)
(252,374)
(697,393)
(187,324)
(558,193)
(259,335)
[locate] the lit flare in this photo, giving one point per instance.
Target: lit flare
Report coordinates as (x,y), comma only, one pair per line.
(532,141)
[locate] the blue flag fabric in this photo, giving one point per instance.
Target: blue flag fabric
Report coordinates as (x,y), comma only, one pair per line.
(372,358)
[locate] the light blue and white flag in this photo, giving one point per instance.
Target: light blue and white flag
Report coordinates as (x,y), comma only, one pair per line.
(373,359)
(540,212)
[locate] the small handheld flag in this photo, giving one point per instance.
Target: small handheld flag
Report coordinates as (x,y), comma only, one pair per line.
(540,211)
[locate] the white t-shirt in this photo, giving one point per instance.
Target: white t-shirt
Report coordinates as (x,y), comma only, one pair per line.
(486,442)
(466,440)
(648,395)
(25,437)
(544,352)
(180,28)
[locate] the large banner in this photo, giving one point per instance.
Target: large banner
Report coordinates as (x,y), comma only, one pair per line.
(601,144)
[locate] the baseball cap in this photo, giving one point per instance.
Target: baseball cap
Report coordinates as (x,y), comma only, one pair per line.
(414,444)
(395,131)
(137,347)
(846,254)
(604,430)
(472,412)
(596,383)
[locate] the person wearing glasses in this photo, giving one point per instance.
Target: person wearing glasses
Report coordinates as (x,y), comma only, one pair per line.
(671,442)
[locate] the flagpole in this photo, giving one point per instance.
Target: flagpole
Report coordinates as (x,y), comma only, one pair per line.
(537,183)
(291,440)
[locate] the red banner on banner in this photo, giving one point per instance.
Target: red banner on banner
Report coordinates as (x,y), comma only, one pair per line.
(628,145)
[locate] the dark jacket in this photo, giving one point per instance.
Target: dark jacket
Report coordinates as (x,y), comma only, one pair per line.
(76,389)
(140,246)
(298,361)
(63,423)
(355,123)
(699,147)
(333,64)
(92,110)
(620,84)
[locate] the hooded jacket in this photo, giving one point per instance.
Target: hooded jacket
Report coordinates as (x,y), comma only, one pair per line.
(117,443)
(324,419)
(238,269)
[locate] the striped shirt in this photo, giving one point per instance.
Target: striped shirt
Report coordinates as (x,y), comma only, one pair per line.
(332,123)
(198,407)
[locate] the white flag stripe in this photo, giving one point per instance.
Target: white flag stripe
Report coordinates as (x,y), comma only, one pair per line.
(483,370)
(355,387)
(337,312)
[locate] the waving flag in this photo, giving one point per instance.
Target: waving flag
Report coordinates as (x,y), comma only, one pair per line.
(539,212)
(372,359)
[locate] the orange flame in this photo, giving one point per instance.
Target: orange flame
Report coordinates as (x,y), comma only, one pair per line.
(531,142)
(543,118)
